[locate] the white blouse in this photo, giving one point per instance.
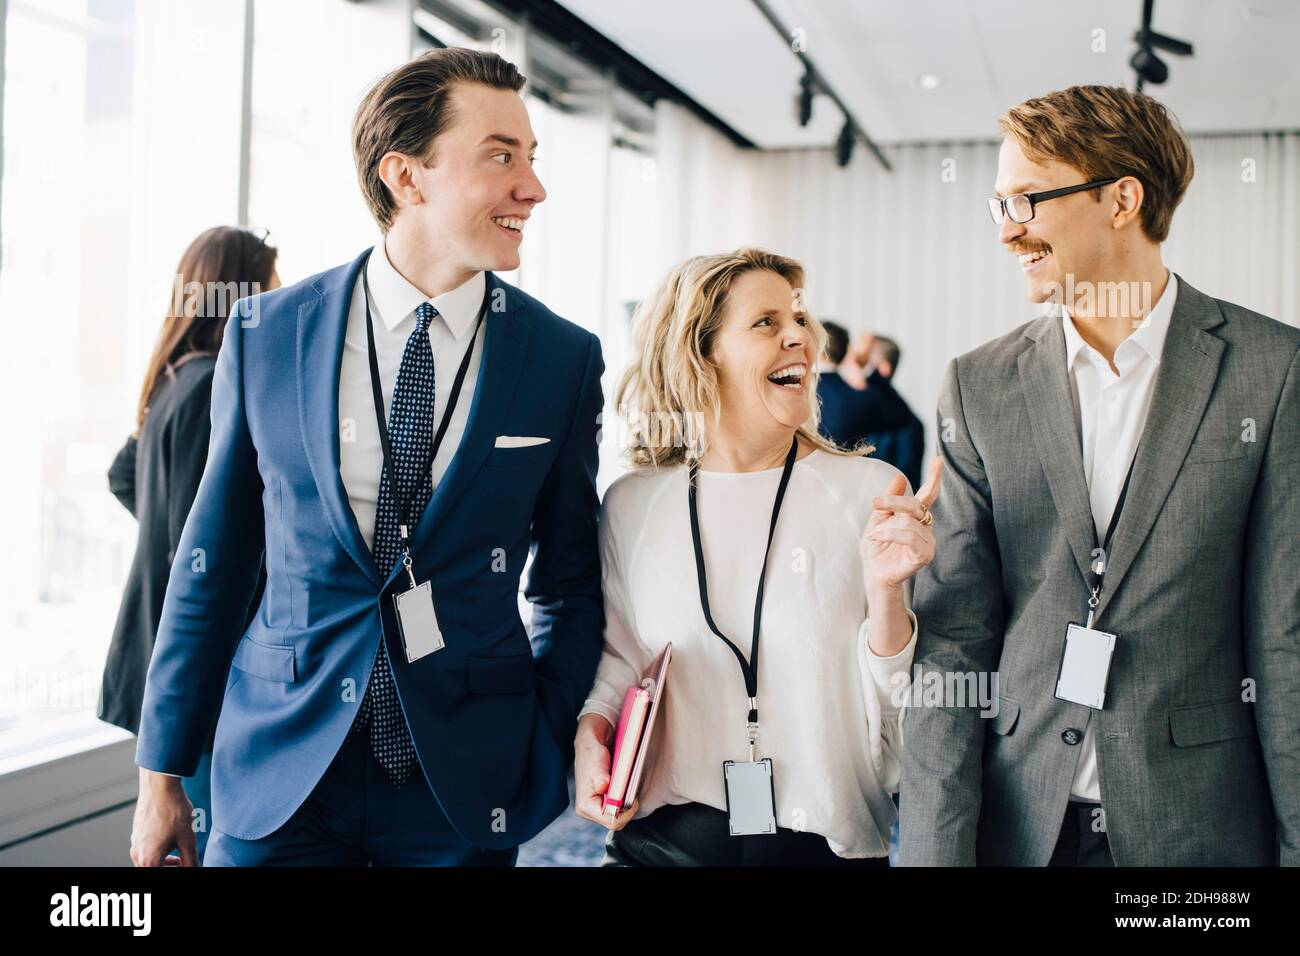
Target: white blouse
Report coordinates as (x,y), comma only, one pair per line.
(828,706)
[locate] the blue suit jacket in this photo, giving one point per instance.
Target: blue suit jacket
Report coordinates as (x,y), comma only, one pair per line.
(492,717)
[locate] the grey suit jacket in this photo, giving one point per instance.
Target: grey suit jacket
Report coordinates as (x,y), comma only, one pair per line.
(1198,745)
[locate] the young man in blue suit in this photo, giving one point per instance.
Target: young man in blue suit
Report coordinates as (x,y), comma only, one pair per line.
(354,729)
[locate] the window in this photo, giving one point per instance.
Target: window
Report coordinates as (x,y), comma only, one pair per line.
(128,130)
(311,66)
(121,143)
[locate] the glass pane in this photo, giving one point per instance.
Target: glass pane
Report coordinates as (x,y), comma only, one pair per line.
(309,75)
(111,167)
(1020,208)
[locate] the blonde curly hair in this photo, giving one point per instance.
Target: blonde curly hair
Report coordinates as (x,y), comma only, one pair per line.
(668,391)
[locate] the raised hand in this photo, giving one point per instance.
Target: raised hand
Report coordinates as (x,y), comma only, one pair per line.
(898,540)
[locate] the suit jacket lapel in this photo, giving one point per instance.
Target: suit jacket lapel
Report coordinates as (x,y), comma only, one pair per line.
(322,324)
(504,346)
(1189,368)
(1046,385)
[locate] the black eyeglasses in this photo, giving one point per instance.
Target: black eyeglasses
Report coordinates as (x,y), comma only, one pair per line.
(1020,207)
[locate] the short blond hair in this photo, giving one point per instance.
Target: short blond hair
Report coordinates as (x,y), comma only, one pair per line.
(1106,131)
(672,380)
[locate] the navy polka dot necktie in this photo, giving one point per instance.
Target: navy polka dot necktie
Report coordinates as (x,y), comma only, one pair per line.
(410,432)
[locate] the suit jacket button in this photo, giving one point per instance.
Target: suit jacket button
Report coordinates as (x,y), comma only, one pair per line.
(1071,736)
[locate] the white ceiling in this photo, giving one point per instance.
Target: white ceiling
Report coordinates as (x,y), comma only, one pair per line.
(987,54)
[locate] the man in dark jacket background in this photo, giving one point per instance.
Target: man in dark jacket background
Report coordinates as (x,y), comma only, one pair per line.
(853,407)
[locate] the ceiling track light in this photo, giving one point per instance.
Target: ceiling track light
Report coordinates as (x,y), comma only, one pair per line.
(1149,67)
(806,91)
(813,82)
(844,144)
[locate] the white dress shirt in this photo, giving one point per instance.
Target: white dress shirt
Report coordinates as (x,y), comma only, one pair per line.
(828,706)
(1111,412)
(393,302)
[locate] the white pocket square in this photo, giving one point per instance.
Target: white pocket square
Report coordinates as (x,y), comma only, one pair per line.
(514,441)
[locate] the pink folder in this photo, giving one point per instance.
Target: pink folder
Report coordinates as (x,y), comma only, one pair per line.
(632,737)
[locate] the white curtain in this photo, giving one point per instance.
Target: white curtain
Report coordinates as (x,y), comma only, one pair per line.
(708,199)
(912,254)
(588,251)
(1237,234)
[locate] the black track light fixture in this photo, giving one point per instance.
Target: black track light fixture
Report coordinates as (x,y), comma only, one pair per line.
(806,92)
(844,144)
(1149,67)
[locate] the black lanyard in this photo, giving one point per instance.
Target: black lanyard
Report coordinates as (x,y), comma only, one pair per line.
(401,500)
(748,668)
(1098,568)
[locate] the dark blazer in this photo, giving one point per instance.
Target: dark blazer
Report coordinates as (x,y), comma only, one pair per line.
(848,416)
(155,479)
(902,447)
(492,716)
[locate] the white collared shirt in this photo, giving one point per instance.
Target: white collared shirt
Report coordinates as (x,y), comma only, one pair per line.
(1111,412)
(393,301)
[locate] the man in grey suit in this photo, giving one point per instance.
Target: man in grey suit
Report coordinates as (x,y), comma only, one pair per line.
(1169,734)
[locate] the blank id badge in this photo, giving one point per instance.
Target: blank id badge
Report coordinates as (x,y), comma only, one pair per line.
(417,622)
(1085,666)
(751,796)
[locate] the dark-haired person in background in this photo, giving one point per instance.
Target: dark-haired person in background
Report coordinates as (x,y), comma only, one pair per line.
(156,474)
(902,447)
(848,413)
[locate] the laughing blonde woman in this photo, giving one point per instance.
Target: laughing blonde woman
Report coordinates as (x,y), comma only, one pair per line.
(779,567)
